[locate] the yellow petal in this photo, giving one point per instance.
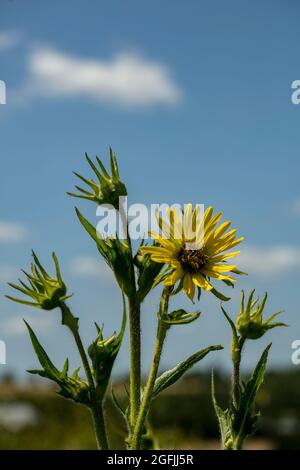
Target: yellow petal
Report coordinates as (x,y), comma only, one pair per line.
(220,268)
(207,215)
(220,277)
(189,287)
(229,245)
(218,232)
(154,250)
(174,277)
(199,226)
(200,281)
(218,258)
(187,221)
(175,222)
(211,225)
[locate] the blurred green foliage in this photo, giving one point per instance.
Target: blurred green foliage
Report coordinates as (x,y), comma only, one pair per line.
(32,416)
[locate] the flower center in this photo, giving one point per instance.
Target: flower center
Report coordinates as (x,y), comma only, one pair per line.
(192,261)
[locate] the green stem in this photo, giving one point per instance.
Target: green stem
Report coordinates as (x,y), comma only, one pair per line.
(99,423)
(238,445)
(160,338)
(236,361)
(84,360)
(95,407)
(135,340)
(135,359)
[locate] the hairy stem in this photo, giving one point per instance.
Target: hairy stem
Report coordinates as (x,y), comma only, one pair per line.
(99,423)
(95,407)
(84,360)
(237,348)
(236,361)
(135,359)
(160,338)
(135,338)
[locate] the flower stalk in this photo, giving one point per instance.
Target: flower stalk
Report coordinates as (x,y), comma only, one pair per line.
(239,420)
(96,407)
(147,395)
(134,338)
(237,347)
(135,359)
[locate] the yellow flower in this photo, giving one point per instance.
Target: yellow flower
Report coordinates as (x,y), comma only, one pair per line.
(193,248)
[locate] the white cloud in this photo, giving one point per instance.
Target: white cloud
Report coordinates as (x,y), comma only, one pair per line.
(8,39)
(269,262)
(127,79)
(88,267)
(15,326)
(296,207)
(11,232)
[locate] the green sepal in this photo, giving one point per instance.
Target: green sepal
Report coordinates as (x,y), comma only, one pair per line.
(250,323)
(46,292)
(179,288)
(219,295)
(72,387)
(103,353)
(108,188)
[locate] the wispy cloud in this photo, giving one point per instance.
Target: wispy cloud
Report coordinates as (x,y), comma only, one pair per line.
(11,232)
(269,262)
(128,79)
(15,326)
(88,267)
(296,207)
(9,39)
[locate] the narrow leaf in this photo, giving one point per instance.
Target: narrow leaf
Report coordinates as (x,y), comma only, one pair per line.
(171,376)
(41,354)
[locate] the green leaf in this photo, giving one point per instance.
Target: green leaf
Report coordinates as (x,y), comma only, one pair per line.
(224,419)
(253,385)
(171,376)
(245,418)
(180,317)
(43,358)
(118,405)
(103,353)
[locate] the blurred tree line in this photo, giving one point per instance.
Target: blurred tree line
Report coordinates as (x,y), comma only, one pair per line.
(32,416)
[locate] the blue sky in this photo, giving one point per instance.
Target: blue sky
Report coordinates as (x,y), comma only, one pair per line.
(195,99)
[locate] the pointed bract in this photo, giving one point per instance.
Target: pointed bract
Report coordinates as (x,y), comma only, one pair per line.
(108,188)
